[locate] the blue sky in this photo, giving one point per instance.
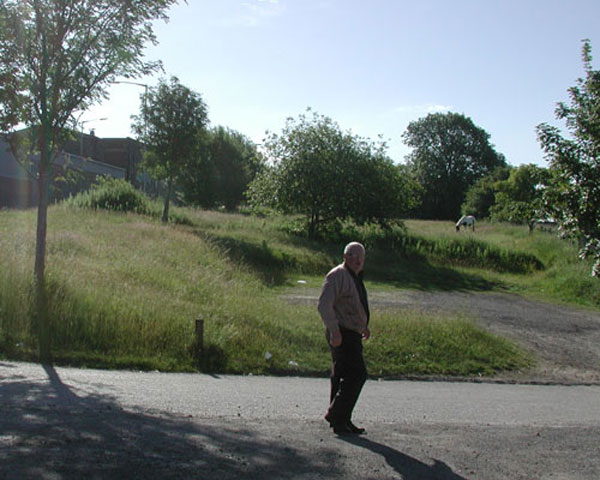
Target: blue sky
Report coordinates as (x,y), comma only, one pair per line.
(373,66)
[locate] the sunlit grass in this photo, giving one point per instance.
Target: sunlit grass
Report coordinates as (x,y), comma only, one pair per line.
(125,291)
(565,278)
(450,345)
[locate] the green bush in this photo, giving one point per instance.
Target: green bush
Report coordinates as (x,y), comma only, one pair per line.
(114,194)
(119,195)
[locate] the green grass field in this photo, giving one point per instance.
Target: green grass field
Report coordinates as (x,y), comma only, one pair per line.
(564,277)
(125,292)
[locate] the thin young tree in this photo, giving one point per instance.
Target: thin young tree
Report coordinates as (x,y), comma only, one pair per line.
(58,57)
(171,123)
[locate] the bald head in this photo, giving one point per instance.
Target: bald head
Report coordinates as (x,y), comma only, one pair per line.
(354,246)
(354,256)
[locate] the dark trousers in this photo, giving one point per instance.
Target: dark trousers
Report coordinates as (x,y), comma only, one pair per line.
(348,375)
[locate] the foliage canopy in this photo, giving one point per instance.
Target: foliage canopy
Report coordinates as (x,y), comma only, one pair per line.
(518,199)
(450,153)
(481,196)
(574,194)
(171,124)
(229,161)
(326,174)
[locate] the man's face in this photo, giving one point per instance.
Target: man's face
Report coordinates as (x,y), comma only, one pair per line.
(355,259)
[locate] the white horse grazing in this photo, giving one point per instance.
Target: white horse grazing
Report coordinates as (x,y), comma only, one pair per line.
(466,221)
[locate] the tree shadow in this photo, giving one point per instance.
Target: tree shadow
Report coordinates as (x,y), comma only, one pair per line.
(422,275)
(6,365)
(270,266)
(273,267)
(52,430)
(408,467)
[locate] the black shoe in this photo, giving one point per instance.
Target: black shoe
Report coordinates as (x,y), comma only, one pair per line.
(329,420)
(354,429)
(339,428)
(342,429)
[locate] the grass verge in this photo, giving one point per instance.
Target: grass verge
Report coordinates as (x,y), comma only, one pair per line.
(125,291)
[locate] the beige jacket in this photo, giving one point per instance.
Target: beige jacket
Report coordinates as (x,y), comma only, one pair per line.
(339,303)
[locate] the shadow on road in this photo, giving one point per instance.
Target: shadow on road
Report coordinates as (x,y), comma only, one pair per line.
(408,467)
(53,430)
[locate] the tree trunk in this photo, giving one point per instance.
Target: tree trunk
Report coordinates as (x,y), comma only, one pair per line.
(41,301)
(165,215)
(312,225)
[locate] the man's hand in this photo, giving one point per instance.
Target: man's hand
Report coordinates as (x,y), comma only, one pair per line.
(335,339)
(366,333)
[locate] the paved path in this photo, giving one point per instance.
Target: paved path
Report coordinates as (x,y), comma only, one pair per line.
(64,423)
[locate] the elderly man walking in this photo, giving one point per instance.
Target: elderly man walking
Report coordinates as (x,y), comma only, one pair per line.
(344,309)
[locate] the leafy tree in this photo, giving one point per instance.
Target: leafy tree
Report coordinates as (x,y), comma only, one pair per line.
(519,198)
(482,195)
(412,191)
(221,174)
(450,153)
(383,191)
(57,57)
(11,98)
(326,175)
(573,197)
(172,121)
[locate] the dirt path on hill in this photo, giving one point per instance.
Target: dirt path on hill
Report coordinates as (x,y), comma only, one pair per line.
(565,341)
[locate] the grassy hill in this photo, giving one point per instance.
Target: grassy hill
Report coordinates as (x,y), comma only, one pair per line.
(563,278)
(125,291)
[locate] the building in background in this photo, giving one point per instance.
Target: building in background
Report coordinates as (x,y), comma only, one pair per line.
(76,168)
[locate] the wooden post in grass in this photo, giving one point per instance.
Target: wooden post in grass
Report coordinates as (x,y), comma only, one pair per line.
(199,337)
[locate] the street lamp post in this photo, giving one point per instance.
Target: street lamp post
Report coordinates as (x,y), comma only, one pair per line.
(145,95)
(134,83)
(142,145)
(81,137)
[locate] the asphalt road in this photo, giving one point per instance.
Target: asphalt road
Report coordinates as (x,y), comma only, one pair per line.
(71,423)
